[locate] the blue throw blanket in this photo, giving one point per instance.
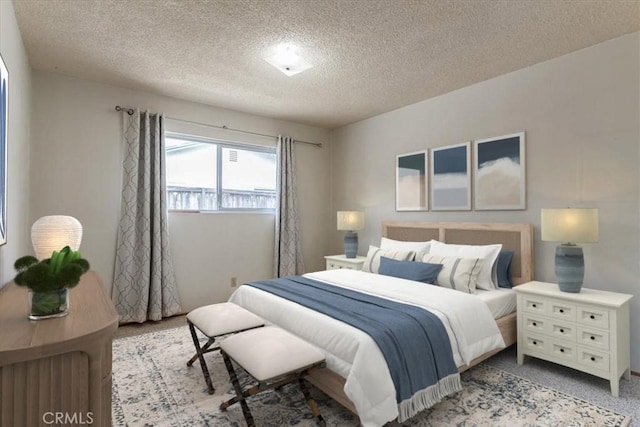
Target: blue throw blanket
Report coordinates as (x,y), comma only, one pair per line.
(414,341)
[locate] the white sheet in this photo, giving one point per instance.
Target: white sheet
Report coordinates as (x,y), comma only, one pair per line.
(500,301)
(354,355)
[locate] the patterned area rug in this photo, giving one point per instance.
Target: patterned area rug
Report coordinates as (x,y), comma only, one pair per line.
(152,386)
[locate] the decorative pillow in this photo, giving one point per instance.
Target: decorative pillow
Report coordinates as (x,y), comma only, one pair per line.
(418,271)
(489,253)
(372,263)
(503,269)
(460,274)
(420,248)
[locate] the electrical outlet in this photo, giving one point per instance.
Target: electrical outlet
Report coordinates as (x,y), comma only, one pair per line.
(234,282)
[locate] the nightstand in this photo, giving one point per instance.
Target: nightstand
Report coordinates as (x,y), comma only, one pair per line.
(587,331)
(335,262)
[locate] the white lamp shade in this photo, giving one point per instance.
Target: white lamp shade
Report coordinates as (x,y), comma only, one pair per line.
(54,232)
(350,220)
(569,225)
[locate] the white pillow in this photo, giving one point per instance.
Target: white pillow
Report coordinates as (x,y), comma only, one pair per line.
(487,252)
(372,263)
(460,274)
(420,248)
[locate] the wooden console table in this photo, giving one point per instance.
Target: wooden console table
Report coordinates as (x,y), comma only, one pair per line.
(57,367)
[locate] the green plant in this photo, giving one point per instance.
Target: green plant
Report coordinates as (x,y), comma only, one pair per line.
(61,271)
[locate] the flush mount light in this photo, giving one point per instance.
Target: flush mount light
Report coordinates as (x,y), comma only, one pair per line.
(287,60)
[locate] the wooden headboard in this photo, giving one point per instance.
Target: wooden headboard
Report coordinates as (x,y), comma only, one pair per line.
(514,237)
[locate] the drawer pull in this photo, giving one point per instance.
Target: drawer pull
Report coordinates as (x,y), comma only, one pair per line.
(592,337)
(535,343)
(592,317)
(562,331)
(593,359)
(562,350)
(533,305)
(561,311)
(535,324)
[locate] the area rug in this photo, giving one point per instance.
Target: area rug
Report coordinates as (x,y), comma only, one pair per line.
(152,386)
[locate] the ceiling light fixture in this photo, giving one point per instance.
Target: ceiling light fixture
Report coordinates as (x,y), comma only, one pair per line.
(287,60)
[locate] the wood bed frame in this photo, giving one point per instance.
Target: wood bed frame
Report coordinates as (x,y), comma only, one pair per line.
(515,237)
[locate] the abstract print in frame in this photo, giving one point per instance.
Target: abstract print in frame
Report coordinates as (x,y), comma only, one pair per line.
(412,181)
(499,168)
(4,115)
(451,178)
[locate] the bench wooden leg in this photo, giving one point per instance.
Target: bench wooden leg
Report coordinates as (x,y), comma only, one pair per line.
(205,349)
(311,403)
(200,355)
(239,393)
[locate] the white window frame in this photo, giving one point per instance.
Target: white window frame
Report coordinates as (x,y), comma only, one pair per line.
(220,144)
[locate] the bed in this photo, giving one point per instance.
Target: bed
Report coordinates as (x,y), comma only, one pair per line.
(324,332)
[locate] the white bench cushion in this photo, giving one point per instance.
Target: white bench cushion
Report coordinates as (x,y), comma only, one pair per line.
(224,318)
(270,352)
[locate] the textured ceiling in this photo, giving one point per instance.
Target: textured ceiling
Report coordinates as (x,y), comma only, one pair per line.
(369,56)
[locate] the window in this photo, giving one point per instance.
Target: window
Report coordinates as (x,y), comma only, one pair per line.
(209,175)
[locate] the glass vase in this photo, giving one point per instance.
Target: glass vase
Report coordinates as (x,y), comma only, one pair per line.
(46,305)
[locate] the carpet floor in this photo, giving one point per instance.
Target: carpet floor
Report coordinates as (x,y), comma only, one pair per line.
(152,386)
(573,382)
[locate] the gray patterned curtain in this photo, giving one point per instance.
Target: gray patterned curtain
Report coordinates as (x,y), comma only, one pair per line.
(144,287)
(288,249)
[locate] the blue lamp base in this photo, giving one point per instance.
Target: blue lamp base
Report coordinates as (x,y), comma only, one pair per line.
(569,268)
(351,244)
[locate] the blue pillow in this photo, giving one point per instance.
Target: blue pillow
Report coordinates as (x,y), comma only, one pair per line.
(418,271)
(503,269)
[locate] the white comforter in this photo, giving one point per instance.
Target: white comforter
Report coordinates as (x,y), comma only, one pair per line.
(354,355)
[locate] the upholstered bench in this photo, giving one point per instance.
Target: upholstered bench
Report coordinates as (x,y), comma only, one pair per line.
(273,357)
(216,320)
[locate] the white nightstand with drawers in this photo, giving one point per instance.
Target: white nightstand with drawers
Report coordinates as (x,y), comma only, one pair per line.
(335,262)
(587,331)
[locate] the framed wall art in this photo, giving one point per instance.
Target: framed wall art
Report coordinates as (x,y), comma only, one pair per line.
(4,117)
(499,170)
(412,181)
(451,178)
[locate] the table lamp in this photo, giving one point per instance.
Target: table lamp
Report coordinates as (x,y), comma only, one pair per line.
(569,226)
(54,232)
(350,221)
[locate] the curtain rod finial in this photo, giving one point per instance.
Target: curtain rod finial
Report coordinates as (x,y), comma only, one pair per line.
(128,110)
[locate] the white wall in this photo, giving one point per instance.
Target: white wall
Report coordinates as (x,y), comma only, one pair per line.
(581,116)
(18,142)
(76,170)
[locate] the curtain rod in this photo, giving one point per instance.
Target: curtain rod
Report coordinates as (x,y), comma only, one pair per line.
(224,127)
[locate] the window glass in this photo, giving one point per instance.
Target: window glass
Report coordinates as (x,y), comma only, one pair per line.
(248,179)
(191,174)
